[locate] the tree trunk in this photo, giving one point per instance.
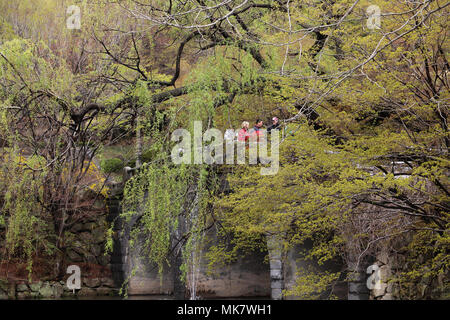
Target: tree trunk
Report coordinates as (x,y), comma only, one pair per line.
(138,141)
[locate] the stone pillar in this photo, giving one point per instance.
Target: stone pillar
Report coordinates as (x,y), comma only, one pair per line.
(384,289)
(357,286)
(275,248)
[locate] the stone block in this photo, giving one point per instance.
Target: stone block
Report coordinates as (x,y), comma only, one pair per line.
(86,292)
(276,274)
(357,277)
(276,284)
(24,295)
(12,291)
(385,273)
(107,282)
(387,296)
(3,296)
(275,264)
(46,290)
(103,259)
(92,282)
(103,291)
(358,296)
(35,286)
(58,290)
(383,257)
(390,287)
(4,285)
(89,257)
(98,235)
(381,291)
(96,250)
(74,256)
(277,294)
(22,287)
(357,287)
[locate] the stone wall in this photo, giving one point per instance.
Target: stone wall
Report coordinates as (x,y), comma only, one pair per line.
(56,289)
(89,239)
(86,249)
(390,260)
(384,290)
(249,276)
(393,260)
(357,287)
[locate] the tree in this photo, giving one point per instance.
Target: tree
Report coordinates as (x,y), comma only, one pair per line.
(366,158)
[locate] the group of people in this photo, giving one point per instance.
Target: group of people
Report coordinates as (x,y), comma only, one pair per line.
(255,133)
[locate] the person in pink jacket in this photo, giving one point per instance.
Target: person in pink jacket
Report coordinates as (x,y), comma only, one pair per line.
(243,134)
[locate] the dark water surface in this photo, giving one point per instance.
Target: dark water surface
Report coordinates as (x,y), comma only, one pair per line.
(151,297)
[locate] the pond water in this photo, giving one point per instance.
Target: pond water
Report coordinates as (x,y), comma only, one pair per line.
(151,297)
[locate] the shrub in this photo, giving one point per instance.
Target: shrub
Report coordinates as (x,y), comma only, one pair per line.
(111,165)
(148,155)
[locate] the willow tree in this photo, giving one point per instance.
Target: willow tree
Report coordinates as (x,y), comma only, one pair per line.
(377,170)
(377,93)
(218,80)
(50,133)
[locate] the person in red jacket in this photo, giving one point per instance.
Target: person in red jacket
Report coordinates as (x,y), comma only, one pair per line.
(243,134)
(256,132)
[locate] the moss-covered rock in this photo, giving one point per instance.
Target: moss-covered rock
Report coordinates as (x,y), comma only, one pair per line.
(24,295)
(58,290)
(85,292)
(22,287)
(4,285)
(46,291)
(92,282)
(74,256)
(35,286)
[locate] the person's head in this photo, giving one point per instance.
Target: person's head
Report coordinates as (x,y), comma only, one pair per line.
(245,124)
(274,120)
(259,123)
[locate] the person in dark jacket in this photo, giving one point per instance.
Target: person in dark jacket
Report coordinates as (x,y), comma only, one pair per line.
(275,125)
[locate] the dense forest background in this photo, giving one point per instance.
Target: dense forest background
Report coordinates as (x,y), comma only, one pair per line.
(361,89)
